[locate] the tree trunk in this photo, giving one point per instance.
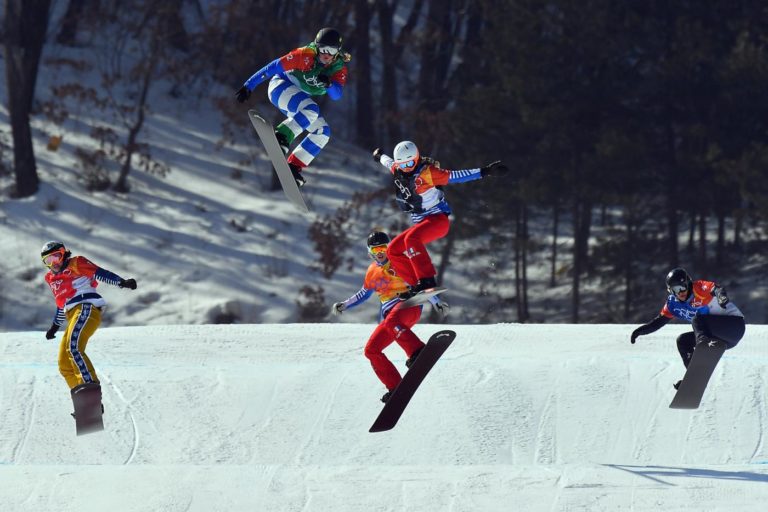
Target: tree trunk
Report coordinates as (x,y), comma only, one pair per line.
(669,164)
(389,104)
(392,51)
(555,225)
(585,228)
(702,252)
(672,232)
(579,252)
(524,290)
(68,33)
(26,22)
(172,24)
(518,244)
(692,232)
(627,254)
(720,248)
(364,122)
(436,53)
(133,133)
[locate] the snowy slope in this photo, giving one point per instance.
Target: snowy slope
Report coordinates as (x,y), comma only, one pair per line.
(201,241)
(276,417)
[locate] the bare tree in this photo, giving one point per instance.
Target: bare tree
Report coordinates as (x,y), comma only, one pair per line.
(26,22)
(392,52)
(70,23)
(364,108)
(137,46)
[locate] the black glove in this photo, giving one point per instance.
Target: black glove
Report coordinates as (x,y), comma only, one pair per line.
(242,94)
(51,333)
(634,336)
(377,154)
(324,80)
(127,283)
(721,296)
(493,169)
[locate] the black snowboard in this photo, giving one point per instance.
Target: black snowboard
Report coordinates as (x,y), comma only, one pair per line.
(393,409)
(88,410)
(703,363)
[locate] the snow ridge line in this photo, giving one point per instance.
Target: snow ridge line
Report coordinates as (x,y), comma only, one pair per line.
(30,412)
(136,436)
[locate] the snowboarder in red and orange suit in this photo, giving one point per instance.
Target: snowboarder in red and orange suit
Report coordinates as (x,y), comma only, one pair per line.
(418,182)
(395,322)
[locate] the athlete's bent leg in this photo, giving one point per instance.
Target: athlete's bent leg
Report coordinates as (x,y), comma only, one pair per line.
(428,230)
(686,342)
(399,261)
(74,364)
(380,339)
(399,322)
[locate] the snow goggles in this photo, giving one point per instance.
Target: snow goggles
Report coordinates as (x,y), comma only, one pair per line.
(53,258)
(378,249)
(406,165)
(330,50)
(677,288)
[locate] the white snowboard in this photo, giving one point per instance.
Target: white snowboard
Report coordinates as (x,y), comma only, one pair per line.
(267,135)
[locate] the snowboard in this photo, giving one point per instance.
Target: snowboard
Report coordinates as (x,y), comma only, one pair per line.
(423,296)
(393,409)
(703,362)
(266,133)
(88,409)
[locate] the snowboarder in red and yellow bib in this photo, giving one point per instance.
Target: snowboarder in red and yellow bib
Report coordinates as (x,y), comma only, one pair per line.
(395,321)
(73,281)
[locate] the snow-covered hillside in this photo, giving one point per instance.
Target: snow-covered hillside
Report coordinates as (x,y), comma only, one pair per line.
(199,242)
(209,243)
(276,417)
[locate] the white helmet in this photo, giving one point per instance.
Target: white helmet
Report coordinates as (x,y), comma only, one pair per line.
(406,155)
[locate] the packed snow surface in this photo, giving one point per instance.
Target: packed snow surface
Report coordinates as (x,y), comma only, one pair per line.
(275,418)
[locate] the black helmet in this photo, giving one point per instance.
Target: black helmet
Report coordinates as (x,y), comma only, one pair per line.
(377,238)
(676,278)
(328,37)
